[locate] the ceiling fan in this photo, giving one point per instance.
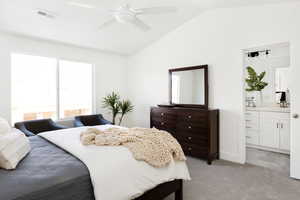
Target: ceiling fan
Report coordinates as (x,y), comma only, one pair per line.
(125,14)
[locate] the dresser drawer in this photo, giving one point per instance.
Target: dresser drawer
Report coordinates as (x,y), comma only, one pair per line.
(193,128)
(192,116)
(194,150)
(192,139)
(169,126)
(163,113)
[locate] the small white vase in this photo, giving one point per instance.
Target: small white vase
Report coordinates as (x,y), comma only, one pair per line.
(259,98)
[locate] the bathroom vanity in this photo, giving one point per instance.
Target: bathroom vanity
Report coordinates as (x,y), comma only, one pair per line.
(268,128)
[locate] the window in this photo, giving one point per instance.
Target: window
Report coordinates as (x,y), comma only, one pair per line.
(75,80)
(50,88)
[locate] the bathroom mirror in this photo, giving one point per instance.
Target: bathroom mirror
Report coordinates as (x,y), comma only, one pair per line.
(281,81)
(189,86)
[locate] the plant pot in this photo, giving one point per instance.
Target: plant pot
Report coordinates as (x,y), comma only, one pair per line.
(258,97)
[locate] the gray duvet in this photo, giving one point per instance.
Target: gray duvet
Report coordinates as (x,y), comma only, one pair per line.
(46,173)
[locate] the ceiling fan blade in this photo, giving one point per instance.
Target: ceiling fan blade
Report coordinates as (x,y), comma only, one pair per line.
(81,5)
(156,10)
(108,23)
(140,24)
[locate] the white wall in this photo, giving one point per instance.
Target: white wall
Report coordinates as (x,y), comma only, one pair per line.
(215,38)
(109,68)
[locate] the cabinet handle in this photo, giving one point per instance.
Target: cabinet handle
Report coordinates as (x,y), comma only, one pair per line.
(189,127)
(277,124)
(189,138)
(248,127)
(248,137)
(281,125)
(295,116)
(162,114)
(162,123)
(189,116)
(248,120)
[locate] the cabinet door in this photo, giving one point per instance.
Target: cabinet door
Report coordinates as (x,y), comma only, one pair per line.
(284,135)
(269,135)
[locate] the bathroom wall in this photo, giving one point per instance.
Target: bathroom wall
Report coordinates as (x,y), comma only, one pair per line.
(278,57)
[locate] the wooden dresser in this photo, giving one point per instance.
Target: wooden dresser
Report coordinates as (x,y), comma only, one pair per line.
(197,130)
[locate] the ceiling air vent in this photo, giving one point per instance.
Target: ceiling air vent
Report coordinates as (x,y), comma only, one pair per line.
(45,13)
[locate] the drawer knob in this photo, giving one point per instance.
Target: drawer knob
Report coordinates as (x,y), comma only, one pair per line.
(189,116)
(189,127)
(162,114)
(189,138)
(162,123)
(190,148)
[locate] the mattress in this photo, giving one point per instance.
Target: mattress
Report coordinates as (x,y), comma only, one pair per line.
(46,173)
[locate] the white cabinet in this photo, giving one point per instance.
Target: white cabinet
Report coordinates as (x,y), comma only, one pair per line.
(269,130)
(252,127)
(284,134)
(252,137)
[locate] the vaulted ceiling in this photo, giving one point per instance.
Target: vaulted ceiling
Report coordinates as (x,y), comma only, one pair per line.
(80,26)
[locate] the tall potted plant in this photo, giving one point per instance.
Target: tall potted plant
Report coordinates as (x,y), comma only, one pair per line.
(125,107)
(255,82)
(111,102)
(117,106)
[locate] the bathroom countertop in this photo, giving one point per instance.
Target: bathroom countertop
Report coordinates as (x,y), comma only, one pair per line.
(269,109)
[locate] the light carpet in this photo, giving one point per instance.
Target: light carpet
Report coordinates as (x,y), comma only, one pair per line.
(229,181)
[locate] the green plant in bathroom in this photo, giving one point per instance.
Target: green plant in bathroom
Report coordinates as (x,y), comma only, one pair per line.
(255,81)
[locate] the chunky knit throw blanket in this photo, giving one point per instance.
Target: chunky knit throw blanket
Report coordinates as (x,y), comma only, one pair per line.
(153,146)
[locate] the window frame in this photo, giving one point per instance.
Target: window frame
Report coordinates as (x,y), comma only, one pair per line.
(58,59)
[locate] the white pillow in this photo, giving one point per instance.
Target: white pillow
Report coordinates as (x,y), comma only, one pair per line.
(13,148)
(5,128)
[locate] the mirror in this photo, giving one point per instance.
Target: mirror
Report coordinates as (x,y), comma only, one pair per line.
(281,82)
(189,86)
(281,79)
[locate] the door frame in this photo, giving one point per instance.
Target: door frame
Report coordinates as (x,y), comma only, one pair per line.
(243,84)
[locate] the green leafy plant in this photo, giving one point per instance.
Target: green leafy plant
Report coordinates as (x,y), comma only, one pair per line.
(254,81)
(111,102)
(117,106)
(125,107)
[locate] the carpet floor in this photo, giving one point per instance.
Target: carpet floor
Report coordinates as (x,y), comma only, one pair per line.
(229,181)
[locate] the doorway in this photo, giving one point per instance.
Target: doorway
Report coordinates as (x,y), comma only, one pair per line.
(267,106)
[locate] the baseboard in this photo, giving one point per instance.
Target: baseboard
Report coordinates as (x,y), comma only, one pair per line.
(268,149)
(237,158)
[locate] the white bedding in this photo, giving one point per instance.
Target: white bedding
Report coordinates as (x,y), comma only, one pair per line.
(115,174)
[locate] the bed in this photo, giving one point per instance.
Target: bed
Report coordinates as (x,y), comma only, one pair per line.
(51,173)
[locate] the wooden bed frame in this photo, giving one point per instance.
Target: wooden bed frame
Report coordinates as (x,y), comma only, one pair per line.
(163,190)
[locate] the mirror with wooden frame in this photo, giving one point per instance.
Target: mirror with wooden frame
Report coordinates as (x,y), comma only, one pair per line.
(189,86)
